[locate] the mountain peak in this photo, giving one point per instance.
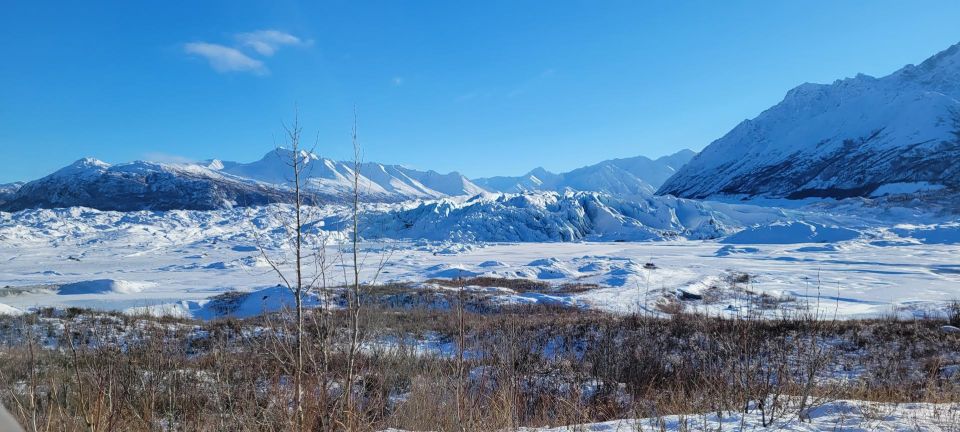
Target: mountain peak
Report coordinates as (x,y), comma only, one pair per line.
(89,162)
(214,164)
(539,172)
(283,153)
(83,166)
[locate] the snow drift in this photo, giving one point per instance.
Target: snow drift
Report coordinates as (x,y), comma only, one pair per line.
(103,286)
(792,232)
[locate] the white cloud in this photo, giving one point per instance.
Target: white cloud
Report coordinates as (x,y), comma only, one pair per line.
(397,81)
(225,59)
(267,42)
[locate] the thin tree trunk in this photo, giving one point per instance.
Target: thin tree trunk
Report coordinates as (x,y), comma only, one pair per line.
(299,287)
(355,303)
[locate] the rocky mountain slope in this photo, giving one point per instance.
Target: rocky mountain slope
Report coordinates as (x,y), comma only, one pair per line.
(141,186)
(854,137)
(8,190)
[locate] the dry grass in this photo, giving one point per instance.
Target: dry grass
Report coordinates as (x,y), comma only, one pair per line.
(526,366)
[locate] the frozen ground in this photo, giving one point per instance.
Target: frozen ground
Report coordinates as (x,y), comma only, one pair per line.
(833,416)
(173,261)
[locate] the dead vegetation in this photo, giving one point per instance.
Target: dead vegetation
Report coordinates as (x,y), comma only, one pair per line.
(422,368)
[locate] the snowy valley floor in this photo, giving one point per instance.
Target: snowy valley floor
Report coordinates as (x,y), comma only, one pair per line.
(846,261)
(850,279)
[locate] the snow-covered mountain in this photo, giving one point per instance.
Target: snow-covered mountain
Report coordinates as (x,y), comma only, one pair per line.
(625,177)
(8,190)
(217,184)
(141,186)
(333,179)
(854,137)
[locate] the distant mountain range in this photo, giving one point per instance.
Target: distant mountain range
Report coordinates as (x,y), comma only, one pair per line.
(222,184)
(859,136)
(623,177)
(330,178)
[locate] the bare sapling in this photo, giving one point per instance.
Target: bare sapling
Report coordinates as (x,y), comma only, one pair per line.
(461,339)
(354,282)
(298,254)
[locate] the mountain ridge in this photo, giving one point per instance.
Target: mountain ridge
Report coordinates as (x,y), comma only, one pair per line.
(215,184)
(636,175)
(330,177)
(844,139)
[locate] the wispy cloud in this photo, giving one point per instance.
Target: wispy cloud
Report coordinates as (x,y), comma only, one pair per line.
(397,81)
(225,59)
(241,56)
(267,42)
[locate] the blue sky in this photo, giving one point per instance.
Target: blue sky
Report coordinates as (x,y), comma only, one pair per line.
(485,88)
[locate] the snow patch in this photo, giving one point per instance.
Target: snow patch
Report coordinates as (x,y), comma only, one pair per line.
(9,310)
(104,286)
(906,188)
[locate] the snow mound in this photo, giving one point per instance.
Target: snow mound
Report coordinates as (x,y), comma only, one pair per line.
(244,305)
(445,271)
(550,268)
(104,286)
(733,250)
(235,304)
(792,232)
(9,310)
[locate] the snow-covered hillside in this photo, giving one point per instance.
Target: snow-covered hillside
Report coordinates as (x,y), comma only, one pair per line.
(631,176)
(849,138)
(8,190)
(141,186)
(333,179)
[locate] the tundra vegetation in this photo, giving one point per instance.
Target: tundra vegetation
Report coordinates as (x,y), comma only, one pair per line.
(423,368)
